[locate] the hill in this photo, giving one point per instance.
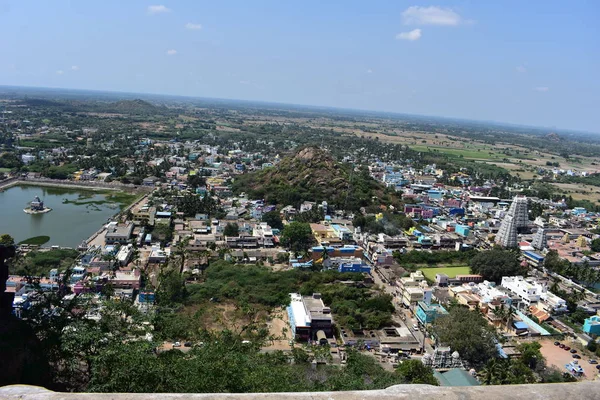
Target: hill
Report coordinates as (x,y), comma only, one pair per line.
(313,175)
(136,106)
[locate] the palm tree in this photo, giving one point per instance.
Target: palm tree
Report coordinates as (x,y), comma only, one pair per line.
(182,251)
(510,317)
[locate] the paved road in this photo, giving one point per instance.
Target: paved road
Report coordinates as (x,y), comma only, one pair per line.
(402,316)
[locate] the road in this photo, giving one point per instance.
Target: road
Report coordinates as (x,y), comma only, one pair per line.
(402,317)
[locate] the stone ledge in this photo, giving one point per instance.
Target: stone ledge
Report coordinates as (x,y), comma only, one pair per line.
(558,391)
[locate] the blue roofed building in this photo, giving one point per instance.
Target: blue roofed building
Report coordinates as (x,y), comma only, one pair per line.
(427,313)
(462,230)
(592,325)
(355,265)
(533,258)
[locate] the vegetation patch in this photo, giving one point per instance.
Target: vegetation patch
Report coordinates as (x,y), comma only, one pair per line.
(36,240)
(430,273)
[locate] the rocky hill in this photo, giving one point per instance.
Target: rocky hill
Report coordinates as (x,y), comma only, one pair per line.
(313,175)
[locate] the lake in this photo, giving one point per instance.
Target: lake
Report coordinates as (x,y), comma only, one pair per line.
(70,221)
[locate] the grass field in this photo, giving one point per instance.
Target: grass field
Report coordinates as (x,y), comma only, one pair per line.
(450,271)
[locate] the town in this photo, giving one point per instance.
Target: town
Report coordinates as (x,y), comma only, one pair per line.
(360,246)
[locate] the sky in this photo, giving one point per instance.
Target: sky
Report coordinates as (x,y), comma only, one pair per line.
(534,62)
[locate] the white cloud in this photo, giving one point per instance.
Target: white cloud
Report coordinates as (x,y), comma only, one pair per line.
(413,35)
(160,9)
(542,89)
(369,71)
(521,69)
(171,52)
(192,26)
(60,72)
(75,67)
(432,15)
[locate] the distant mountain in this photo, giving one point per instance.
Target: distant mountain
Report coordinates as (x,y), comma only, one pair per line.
(313,175)
(136,106)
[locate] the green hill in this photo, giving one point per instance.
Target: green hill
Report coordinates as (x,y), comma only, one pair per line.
(313,175)
(136,106)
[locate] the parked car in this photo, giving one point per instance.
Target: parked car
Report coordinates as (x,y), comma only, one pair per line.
(567,348)
(577,356)
(592,361)
(598,367)
(562,346)
(556,343)
(177,344)
(187,344)
(573,351)
(415,327)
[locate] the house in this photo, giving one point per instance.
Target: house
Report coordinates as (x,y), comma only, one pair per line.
(427,313)
(150,181)
(157,255)
(118,233)
(308,316)
(126,279)
(162,218)
(592,325)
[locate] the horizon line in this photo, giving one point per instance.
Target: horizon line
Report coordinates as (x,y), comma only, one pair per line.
(357,110)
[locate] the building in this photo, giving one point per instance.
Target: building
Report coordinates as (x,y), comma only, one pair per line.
(146,297)
(309,315)
(462,230)
(592,325)
(518,210)
(144,213)
(354,265)
(531,292)
(516,218)
(441,280)
(427,312)
(540,241)
(455,377)
(157,255)
(507,234)
(413,295)
(118,233)
(124,255)
(126,279)
(27,158)
(162,217)
(442,358)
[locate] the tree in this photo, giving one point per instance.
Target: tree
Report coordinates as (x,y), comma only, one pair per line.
(496,263)
(414,371)
(595,245)
(6,240)
(231,229)
(531,354)
(507,372)
(273,219)
(468,333)
(297,236)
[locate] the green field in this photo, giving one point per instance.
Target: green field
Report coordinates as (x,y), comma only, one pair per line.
(450,271)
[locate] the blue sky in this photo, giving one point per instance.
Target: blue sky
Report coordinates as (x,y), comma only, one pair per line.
(529,62)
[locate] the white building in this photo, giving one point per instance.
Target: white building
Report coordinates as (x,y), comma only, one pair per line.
(531,292)
(27,158)
(124,254)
